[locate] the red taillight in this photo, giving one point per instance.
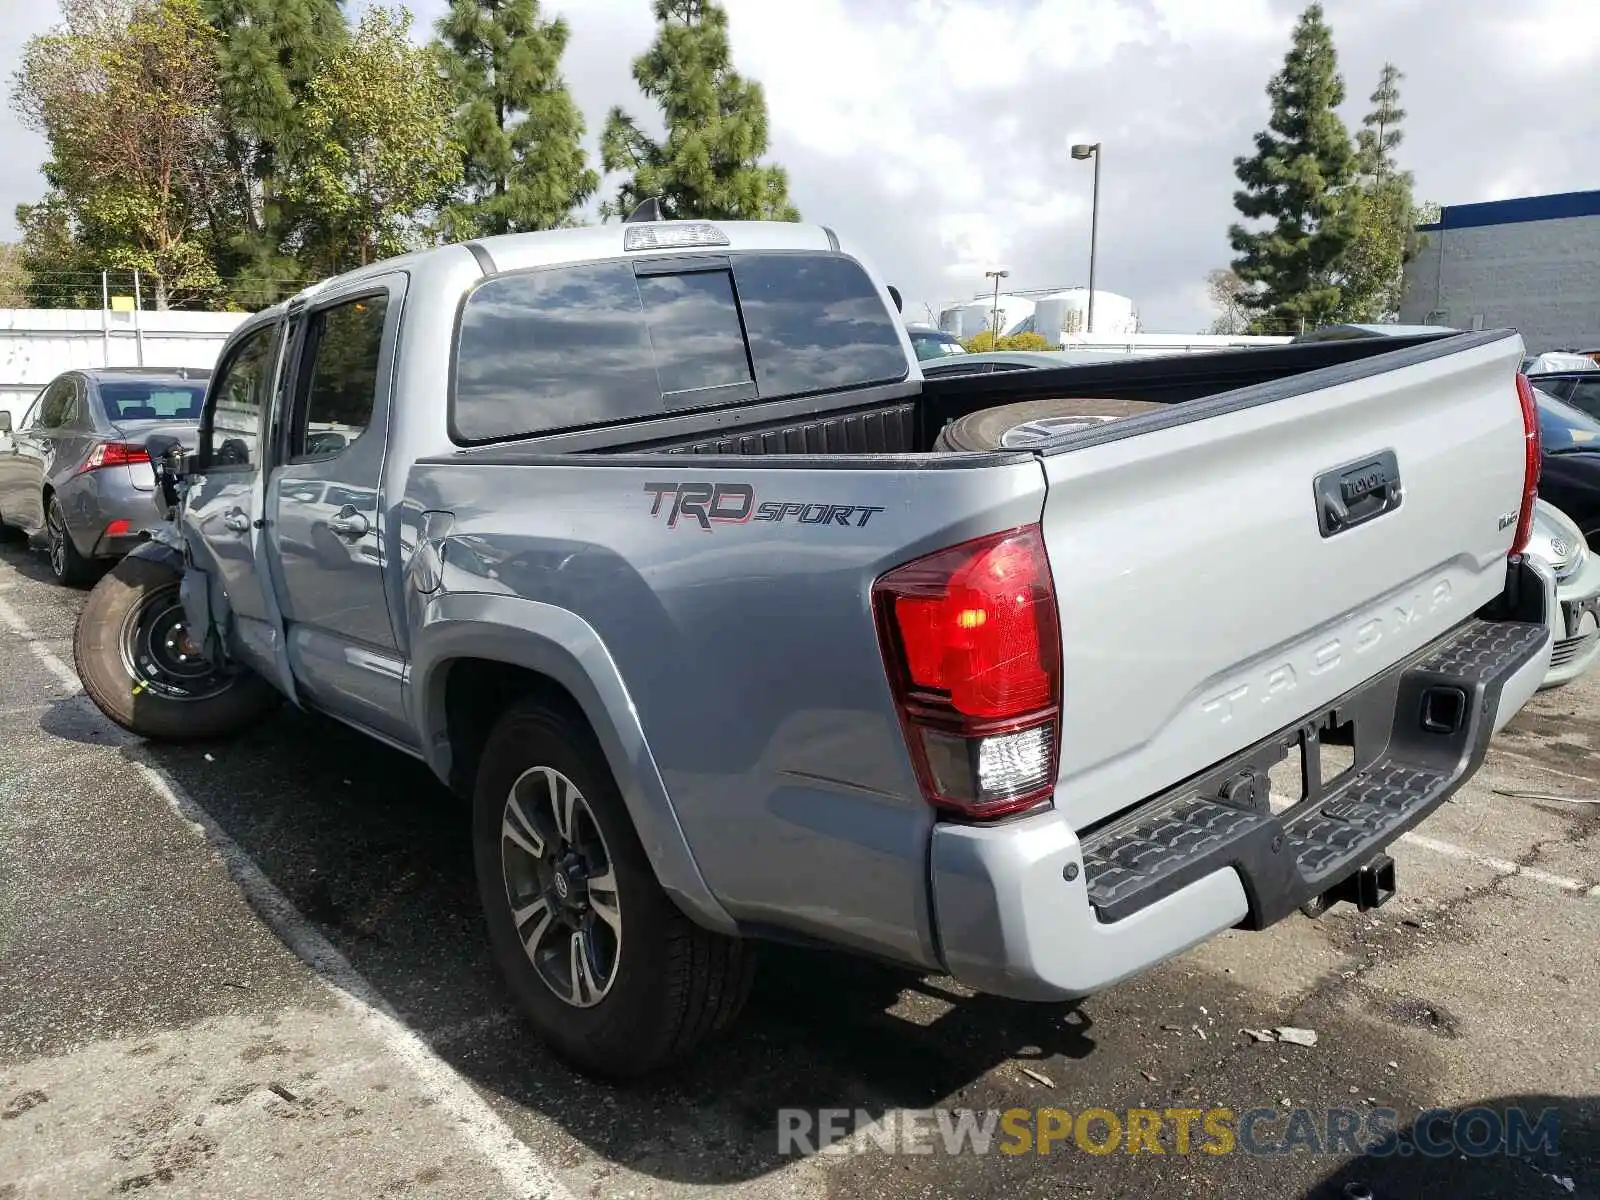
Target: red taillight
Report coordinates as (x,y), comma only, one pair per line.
(115,454)
(118,528)
(1532,454)
(973,648)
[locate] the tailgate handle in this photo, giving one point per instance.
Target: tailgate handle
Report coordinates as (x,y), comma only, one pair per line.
(1357,492)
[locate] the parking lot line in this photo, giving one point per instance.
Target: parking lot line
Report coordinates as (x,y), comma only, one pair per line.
(1502,866)
(524,1172)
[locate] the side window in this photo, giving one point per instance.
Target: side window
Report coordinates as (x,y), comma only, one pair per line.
(234,403)
(1586,395)
(550,350)
(76,416)
(53,405)
(815,322)
(340,381)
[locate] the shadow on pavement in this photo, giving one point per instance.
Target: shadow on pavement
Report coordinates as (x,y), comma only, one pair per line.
(372,850)
(1570,1166)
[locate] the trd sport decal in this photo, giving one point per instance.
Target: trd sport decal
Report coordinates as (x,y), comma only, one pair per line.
(710,504)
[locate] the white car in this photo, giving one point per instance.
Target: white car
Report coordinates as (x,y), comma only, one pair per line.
(1575,615)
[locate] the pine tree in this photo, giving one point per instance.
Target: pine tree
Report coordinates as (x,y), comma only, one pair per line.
(269,52)
(523,166)
(716,121)
(1297,181)
(1382,210)
(1380,133)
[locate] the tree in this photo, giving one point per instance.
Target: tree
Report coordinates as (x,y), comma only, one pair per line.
(267,52)
(126,94)
(62,270)
(978,343)
(1229,295)
(1297,181)
(373,151)
(522,163)
(13,277)
(708,165)
(1383,212)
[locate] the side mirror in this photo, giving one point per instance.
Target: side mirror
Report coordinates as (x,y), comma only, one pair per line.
(5,420)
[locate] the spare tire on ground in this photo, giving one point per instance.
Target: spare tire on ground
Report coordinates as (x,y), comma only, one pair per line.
(1017,426)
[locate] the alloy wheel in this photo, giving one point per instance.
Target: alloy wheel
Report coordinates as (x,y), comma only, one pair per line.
(55,525)
(561,886)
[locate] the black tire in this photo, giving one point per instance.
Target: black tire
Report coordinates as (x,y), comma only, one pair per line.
(671,982)
(220,703)
(985,429)
(66,564)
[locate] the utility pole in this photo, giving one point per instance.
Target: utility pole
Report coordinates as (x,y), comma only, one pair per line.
(1081,152)
(994,316)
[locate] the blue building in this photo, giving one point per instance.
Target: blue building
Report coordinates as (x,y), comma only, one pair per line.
(1531,264)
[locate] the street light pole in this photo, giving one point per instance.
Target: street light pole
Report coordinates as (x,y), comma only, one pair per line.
(994,314)
(1081,152)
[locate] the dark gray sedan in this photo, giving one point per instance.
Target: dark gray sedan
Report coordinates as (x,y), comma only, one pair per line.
(75,467)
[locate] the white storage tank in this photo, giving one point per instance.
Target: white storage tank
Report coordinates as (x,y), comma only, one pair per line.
(1067,312)
(972,318)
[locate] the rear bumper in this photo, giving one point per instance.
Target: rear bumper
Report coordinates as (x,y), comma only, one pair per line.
(1575,624)
(93,501)
(1031,910)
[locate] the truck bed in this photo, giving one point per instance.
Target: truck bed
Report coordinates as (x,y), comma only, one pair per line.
(906,419)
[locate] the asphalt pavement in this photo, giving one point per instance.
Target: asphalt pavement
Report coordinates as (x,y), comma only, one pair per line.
(256,968)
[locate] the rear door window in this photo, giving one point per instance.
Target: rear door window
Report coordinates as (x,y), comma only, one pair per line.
(54,405)
(345,344)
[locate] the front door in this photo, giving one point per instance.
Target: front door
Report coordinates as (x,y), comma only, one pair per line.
(31,454)
(325,517)
(223,505)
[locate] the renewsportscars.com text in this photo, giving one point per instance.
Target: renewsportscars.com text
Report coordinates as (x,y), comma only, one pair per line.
(1266,1132)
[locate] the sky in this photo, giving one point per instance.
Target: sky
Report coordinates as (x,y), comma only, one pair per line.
(936,133)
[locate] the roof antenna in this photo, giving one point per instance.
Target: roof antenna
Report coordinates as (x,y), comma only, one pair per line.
(649,210)
(894,294)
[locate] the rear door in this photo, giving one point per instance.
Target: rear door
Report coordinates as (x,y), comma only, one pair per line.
(325,522)
(223,506)
(1206,600)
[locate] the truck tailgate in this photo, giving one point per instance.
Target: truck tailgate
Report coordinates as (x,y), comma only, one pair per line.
(1204,604)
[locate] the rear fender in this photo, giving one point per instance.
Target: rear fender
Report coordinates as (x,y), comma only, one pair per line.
(563,647)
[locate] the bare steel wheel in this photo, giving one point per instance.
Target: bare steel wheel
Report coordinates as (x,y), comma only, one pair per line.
(142,667)
(561,886)
(159,654)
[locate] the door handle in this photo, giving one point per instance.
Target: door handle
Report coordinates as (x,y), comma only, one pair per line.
(349,523)
(236,521)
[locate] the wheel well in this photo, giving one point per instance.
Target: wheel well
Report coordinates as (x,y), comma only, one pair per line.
(476,692)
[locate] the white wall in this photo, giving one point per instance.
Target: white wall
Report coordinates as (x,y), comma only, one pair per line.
(1541,278)
(37,344)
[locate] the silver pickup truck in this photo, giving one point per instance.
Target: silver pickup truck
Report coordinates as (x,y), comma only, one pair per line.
(637,537)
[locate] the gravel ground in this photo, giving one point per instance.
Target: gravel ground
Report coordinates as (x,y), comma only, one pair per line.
(256,968)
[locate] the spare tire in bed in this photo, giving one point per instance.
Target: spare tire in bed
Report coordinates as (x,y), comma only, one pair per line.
(1017,426)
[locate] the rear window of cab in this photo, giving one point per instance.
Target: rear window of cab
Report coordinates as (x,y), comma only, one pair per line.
(595,343)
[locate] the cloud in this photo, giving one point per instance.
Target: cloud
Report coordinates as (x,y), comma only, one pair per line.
(936,132)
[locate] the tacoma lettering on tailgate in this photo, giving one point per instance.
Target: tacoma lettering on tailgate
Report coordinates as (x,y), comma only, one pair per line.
(709,504)
(1272,683)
